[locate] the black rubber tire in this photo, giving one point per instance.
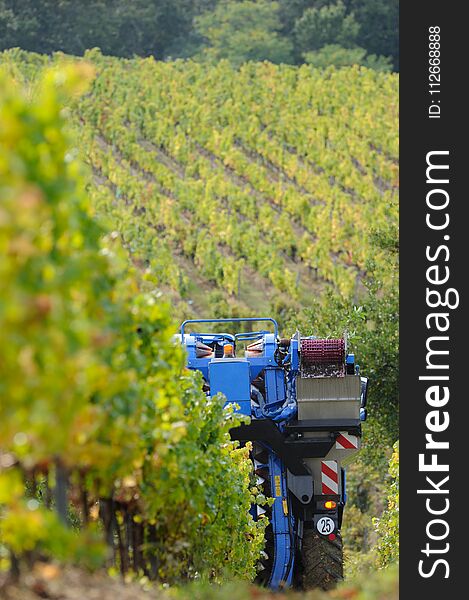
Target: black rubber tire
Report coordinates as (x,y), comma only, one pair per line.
(322,561)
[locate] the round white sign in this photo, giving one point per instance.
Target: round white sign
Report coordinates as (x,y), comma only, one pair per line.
(325,525)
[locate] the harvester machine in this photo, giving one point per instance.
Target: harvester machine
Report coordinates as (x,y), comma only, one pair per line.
(306,401)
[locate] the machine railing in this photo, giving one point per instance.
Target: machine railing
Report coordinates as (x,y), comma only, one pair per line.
(233,320)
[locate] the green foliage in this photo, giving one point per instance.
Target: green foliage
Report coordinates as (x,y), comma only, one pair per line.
(379,27)
(365,501)
(337,56)
(371,520)
(329,35)
(329,24)
(387,526)
(95,390)
(243,31)
(258,29)
(226,170)
(120,28)
(290,11)
(25,525)
(52,313)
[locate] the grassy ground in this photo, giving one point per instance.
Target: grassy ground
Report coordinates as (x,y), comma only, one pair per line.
(46,580)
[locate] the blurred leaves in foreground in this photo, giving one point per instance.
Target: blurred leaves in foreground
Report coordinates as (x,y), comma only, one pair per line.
(102,426)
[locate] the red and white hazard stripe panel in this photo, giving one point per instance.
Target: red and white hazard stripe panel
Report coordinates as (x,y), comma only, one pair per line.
(329,477)
(345,441)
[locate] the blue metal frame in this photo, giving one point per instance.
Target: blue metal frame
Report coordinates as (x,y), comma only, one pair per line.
(282,525)
(234,320)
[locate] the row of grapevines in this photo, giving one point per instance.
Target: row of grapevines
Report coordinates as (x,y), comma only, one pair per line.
(221,197)
(99,417)
(178,114)
(269,161)
(152,247)
(207,225)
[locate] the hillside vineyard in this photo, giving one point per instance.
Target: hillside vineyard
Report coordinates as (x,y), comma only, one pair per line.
(269,176)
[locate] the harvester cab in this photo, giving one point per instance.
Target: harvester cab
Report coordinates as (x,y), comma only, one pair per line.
(306,400)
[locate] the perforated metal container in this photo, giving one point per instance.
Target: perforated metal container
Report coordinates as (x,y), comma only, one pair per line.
(328,397)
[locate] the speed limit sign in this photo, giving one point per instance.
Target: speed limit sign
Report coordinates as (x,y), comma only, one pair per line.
(325,525)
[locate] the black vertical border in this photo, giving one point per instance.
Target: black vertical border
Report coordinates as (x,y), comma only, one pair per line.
(419,135)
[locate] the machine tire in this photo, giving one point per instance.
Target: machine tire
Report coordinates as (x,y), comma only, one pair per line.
(321,561)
